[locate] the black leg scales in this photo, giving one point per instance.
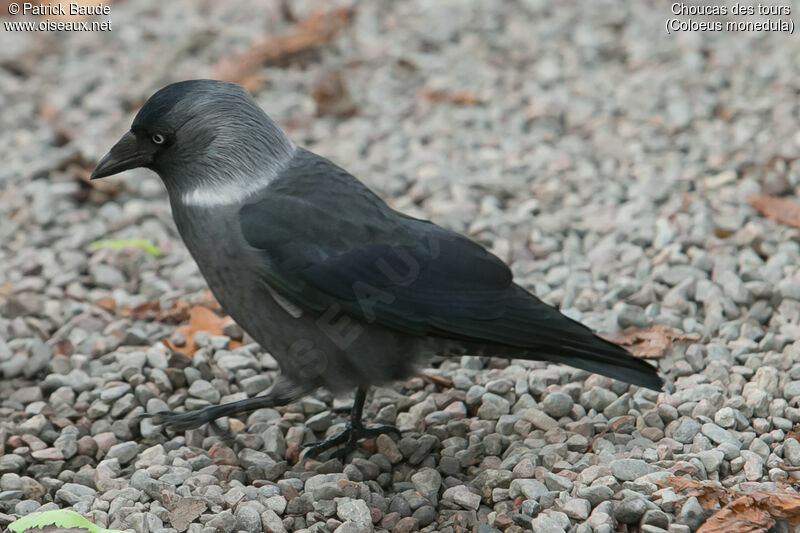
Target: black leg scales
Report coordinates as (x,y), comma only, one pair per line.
(352,433)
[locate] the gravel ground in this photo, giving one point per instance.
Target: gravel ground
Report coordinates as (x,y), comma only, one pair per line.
(608,163)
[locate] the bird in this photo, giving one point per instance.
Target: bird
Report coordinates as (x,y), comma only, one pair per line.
(343,291)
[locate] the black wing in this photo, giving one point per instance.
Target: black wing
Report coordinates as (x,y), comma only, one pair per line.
(331,241)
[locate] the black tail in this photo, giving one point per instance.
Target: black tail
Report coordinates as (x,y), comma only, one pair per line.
(607,359)
(531,329)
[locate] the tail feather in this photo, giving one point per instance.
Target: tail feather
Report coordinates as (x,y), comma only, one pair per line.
(531,329)
(612,362)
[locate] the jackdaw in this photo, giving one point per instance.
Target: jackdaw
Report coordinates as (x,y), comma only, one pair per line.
(342,290)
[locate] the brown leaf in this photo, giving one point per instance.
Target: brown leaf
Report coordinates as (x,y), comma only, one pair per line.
(186,511)
(6,290)
(109,304)
(783,210)
(793,433)
(177,312)
(439,380)
(200,319)
(332,97)
(441,96)
(708,493)
(612,427)
(145,310)
(307,34)
(652,342)
(754,513)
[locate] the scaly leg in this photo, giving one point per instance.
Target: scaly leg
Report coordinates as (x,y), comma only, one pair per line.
(352,433)
(281,393)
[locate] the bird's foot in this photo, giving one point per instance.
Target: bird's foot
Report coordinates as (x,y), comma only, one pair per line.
(347,439)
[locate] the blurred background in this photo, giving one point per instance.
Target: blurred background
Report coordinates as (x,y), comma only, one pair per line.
(632,177)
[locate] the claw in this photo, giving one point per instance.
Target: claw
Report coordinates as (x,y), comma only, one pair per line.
(349,437)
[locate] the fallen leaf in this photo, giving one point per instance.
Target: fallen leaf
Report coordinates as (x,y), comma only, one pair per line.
(6,289)
(109,304)
(143,311)
(56,520)
(754,513)
(306,35)
(652,342)
(116,244)
(458,98)
(783,210)
(332,97)
(186,511)
(177,312)
(439,380)
(612,427)
(200,319)
(709,494)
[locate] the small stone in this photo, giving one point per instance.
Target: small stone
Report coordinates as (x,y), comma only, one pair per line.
(425,515)
(72,493)
(87,446)
(577,508)
(598,398)
(531,489)
(348,509)
(539,419)
(630,469)
(791,451)
(427,482)
(556,483)
(719,435)
(387,447)
(557,404)
(691,514)
(48,454)
(124,452)
(546,524)
(493,406)
(462,496)
(205,391)
(686,430)
(630,510)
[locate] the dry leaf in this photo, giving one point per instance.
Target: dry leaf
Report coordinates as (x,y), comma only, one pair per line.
(6,289)
(109,304)
(439,380)
(793,433)
(146,310)
(783,210)
(177,312)
(308,34)
(709,494)
(200,319)
(332,97)
(612,427)
(460,98)
(186,511)
(754,513)
(652,342)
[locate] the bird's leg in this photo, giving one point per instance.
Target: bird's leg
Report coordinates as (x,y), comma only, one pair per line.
(281,393)
(352,433)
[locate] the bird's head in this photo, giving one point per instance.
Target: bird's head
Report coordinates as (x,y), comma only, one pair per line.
(199,130)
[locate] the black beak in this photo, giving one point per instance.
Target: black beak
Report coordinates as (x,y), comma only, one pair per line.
(124,155)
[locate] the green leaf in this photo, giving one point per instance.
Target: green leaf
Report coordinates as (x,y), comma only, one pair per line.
(63,518)
(144,244)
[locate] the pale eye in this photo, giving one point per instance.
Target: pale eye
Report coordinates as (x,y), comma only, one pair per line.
(157,138)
